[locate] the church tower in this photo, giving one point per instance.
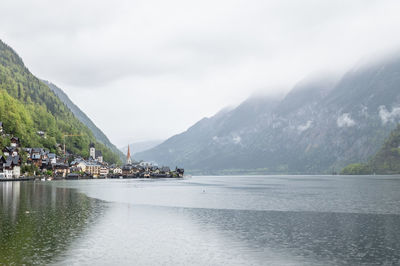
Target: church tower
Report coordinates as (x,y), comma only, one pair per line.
(92,151)
(128,157)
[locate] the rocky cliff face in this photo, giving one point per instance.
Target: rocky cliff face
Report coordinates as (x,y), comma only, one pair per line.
(320,126)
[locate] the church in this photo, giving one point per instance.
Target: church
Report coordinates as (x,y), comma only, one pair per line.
(95,155)
(128,156)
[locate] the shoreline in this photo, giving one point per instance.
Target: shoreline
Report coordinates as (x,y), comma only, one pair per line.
(17,179)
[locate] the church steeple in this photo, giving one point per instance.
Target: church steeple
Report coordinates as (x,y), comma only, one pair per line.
(128,157)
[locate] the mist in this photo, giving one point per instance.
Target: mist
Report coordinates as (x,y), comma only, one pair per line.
(147,70)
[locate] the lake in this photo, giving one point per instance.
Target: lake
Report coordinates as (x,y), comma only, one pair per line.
(208,220)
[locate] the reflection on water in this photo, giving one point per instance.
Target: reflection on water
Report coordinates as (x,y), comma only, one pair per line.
(184,236)
(38,221)
(203,221)
(337,238)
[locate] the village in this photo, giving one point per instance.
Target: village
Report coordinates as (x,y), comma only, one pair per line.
(25,163)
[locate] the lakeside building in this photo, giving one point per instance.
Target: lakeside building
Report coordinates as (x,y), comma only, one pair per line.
(43,162)
(12,167)
(93,168)
(89,167)
(99,156)
(104,171)
(134,169)
(61,170)
(117,171)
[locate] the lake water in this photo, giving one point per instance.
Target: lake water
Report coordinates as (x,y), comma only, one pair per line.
(248,220)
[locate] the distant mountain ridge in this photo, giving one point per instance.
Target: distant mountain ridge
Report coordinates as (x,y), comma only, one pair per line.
(98,134)
(140,146)
(319,127)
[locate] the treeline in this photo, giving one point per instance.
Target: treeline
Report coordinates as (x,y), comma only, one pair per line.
(386,161)
(27,106)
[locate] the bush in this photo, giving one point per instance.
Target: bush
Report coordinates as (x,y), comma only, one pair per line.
(356,169)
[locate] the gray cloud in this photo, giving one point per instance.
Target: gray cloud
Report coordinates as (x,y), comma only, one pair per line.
(389,116)
(345,120)
(188,59)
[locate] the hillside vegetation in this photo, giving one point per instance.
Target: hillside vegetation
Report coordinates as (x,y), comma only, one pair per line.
(27,106)
(98,134)
(385,161)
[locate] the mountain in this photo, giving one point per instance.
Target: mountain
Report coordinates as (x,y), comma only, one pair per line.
(28,106)
(140,146)
(98,134)
(320,126)
(385,161)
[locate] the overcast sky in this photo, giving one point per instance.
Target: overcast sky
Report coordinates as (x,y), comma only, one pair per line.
(149,69)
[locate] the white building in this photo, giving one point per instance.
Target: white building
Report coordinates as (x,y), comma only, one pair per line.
(8,173)
(99,156)
(16,171)
(104,171)
(117,171)
(92,151)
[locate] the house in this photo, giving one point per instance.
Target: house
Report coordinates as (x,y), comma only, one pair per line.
(12,167)
(60,169)
(8,170)
(41,134)
(44,153)
(92,168)
(103,171)
(146,164)
(80,164)
(117,171)
(36,157)
(165,170)
(46,164)
(15,142)
(127,170)
(52,157)
(7,151)
(16,166)
(74,169)
(180,171)
(10,151)
(99,156)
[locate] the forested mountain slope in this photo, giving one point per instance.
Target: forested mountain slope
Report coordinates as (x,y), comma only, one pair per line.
(27,106)
(386,161)
(99,135)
